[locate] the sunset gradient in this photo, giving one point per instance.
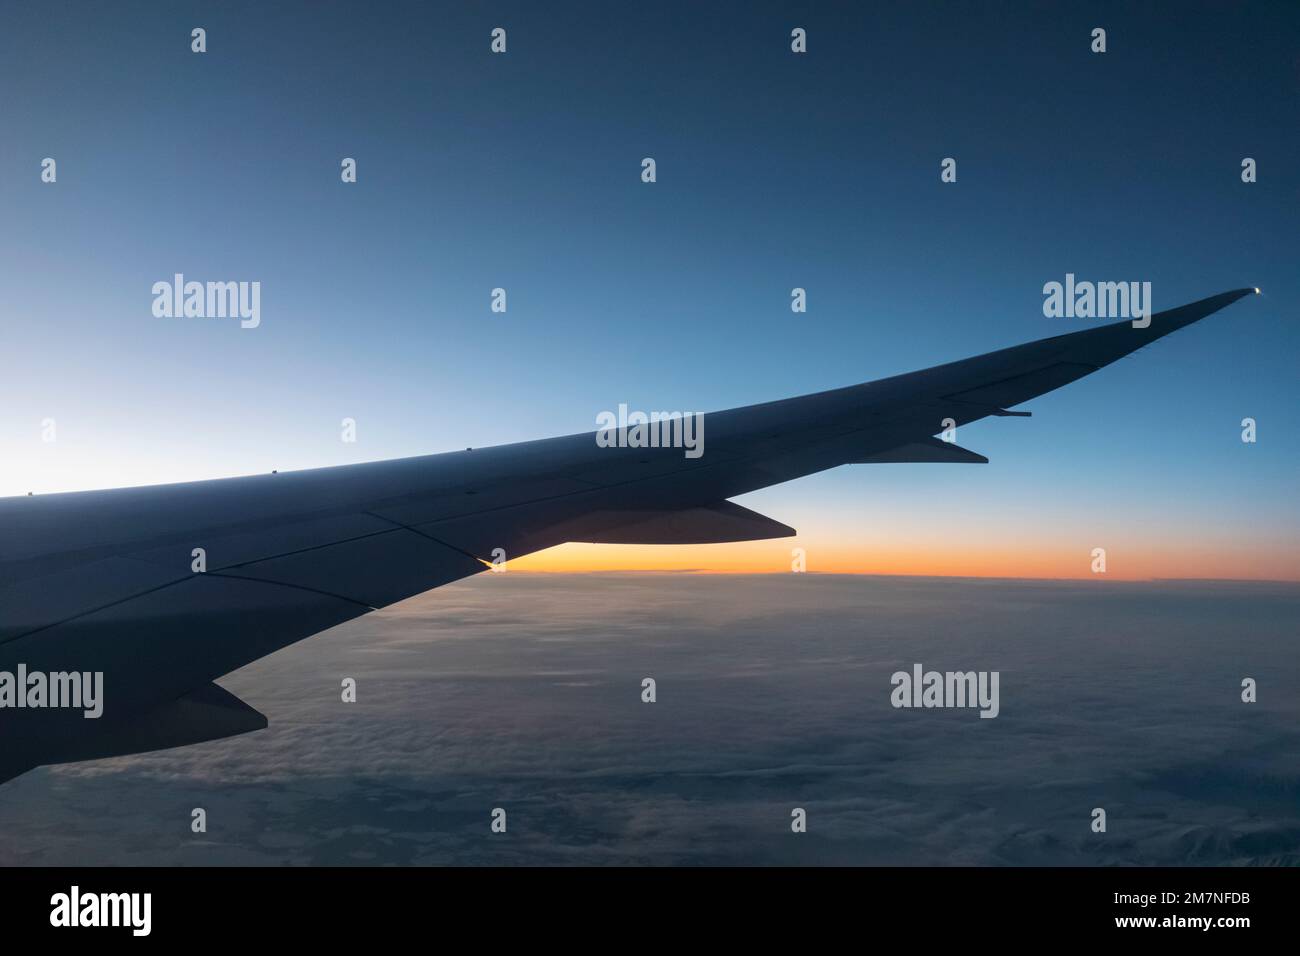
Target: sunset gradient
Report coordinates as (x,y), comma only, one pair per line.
(776,171)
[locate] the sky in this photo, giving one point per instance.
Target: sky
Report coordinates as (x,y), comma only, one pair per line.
(775,170)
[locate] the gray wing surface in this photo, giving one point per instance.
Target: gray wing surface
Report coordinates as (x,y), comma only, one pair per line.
(103,580)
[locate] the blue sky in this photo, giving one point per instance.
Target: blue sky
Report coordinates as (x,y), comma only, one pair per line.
(774,171)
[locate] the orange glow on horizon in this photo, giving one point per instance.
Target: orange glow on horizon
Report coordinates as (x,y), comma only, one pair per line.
(1222,562)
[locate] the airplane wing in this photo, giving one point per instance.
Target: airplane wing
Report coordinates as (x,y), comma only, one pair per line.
(109,581)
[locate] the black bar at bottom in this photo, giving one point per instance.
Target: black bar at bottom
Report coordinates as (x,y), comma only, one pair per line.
(338,905)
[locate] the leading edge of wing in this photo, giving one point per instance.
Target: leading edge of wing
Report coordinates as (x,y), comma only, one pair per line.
(878,415)
(1108,343)
(1088,350)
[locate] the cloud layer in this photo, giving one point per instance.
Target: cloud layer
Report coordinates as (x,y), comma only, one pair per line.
(524,692)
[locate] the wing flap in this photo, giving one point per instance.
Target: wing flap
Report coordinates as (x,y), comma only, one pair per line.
(207,713)
(39,602)
(931,450)
(374,571)
(714,524)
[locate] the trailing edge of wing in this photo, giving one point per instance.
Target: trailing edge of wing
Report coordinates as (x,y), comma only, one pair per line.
(714,524)
(208,713)
(929,450)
